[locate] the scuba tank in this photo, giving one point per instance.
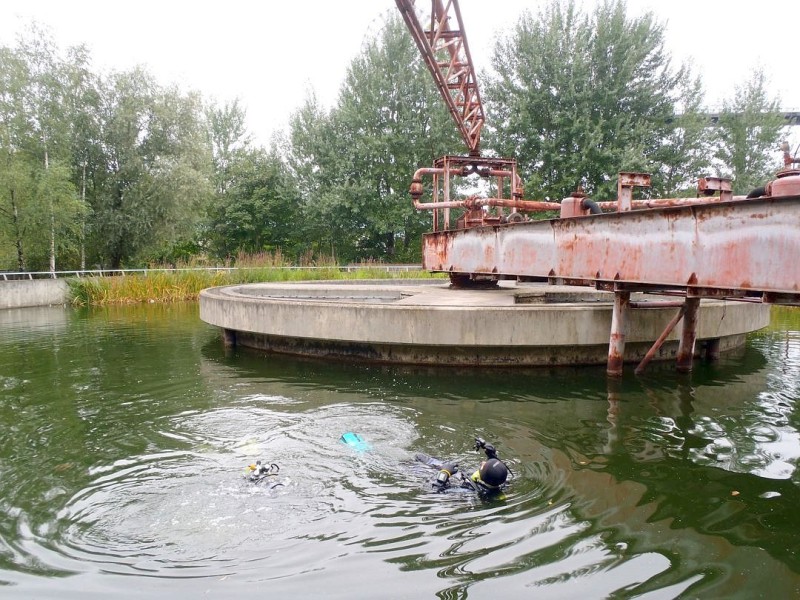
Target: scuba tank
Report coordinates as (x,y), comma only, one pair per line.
(258,472)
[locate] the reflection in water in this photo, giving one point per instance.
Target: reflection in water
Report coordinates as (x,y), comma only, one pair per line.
(127,432)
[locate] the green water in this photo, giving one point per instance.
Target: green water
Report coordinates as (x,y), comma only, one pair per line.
(125,433)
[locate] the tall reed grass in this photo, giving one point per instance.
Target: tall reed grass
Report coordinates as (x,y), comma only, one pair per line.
(186,282)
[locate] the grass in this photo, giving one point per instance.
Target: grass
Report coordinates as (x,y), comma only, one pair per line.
(181,285)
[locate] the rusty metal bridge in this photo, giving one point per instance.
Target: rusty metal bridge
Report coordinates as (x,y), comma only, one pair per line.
(724,247)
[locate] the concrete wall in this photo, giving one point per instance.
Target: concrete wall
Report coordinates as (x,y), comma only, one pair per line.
(435,324)
(33,292)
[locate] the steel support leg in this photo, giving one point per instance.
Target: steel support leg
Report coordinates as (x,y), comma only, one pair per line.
(660,341)
(688,335)
(619,327)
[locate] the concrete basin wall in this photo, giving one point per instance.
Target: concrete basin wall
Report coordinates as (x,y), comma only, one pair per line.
(434,324)
(33,292)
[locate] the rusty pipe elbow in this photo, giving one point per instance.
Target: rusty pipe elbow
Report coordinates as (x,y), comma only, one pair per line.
(416,189)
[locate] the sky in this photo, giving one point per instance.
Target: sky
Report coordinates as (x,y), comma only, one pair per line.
(271,54)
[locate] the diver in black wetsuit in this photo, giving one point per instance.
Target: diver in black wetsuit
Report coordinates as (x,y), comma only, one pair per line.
(488,479)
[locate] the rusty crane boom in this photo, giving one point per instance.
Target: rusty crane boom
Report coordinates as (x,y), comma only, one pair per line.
(446,53)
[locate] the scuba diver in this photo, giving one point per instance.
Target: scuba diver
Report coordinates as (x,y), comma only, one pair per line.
(488,479)
(259,472)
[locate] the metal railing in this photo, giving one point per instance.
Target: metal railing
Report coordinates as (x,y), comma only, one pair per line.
(26,275)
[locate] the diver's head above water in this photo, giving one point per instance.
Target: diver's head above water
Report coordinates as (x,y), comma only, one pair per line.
(492,473)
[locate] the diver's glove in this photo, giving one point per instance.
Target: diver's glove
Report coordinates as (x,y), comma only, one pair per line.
(445,473)
(481,444)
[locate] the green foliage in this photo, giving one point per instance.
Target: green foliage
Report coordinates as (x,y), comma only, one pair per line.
(578,98)
(354,165)
(36,190)
(158,170)
(55,207)
(685,153)
(259,210)
(229,141)
(17,213)
(750,126)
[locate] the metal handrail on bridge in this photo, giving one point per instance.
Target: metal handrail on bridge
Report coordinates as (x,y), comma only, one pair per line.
(28,275)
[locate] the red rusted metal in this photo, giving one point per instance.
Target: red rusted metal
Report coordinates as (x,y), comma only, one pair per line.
(787,184)
(740,247)
(709,186)
(788,159)
(662,202)
(660,341)
(446,53)
(619,329)
(507,184)
(688,335)
(458,166)
(625,185)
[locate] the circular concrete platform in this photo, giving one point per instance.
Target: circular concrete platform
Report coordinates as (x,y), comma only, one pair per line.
(427,322)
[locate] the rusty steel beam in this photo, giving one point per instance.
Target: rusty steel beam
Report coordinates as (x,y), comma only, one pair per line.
(445,50)
(741,247)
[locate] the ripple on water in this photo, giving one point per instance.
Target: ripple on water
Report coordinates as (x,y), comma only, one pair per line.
(170,511)
(185,509)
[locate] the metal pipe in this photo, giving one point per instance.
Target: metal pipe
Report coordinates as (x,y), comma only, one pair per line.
(531,205)
(688,336)
(591,206)
(475,203)
(619,327)
(660,341)
(516,180)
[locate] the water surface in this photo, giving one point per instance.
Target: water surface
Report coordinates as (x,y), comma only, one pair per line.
(126,433)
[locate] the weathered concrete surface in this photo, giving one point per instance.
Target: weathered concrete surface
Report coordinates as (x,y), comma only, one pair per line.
(33,292)
(415,323)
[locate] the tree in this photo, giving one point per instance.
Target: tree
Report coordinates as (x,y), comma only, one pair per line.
(82,106)
(15,184)
(750,127)
(259,211)
(315,163)
(56,208)
(157,170)
(229,140)
(356,164)
(576,98)
(48,131)
(685,154)
(37,193)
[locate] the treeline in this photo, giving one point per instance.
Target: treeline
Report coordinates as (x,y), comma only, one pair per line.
(115,170)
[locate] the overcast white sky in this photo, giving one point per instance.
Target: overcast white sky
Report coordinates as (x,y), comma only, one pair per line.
(269,54)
